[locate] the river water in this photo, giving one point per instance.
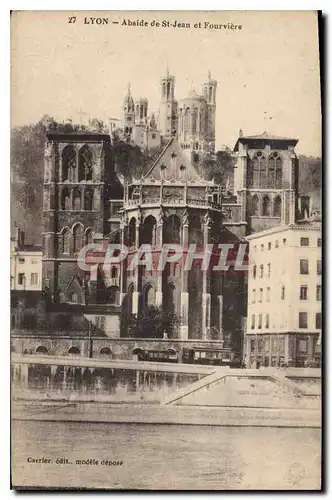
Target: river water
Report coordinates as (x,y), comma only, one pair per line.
(165,456)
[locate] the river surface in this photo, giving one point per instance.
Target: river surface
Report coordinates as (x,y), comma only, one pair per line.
(165,456)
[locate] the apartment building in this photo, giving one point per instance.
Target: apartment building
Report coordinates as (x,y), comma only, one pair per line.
(25,264)
(284,296)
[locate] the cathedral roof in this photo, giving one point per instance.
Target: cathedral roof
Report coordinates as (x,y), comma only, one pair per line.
(264,138)
(172,165)
(267,136)
(77,136)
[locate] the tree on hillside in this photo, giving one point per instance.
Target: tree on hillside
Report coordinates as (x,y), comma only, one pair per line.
(310,174)
(152,323)
(130,160)
(219,167)
(27,164)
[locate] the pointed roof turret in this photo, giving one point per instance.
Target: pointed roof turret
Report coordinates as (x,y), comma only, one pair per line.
(128,100)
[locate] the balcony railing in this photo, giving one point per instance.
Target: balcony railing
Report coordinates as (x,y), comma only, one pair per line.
(174,201)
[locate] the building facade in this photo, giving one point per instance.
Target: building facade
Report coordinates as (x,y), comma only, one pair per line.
(25,264)
(284,296)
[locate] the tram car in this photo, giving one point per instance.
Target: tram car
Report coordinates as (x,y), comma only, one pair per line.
(195,355)
(169,356)
(211,356)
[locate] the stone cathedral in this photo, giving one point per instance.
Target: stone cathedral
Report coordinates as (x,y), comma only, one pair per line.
(85,201)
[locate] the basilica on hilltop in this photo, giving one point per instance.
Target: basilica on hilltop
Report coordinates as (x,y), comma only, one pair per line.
(190,119)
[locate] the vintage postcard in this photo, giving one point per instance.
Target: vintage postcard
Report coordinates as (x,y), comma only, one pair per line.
(166,250)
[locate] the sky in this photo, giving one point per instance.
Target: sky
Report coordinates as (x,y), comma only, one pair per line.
(267,72)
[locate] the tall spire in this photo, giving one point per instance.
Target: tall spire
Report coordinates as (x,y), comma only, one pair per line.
(209,75)
(129,101)
(167,70)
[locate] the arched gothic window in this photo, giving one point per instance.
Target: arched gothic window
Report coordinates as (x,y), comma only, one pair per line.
(74,298)
(250,174)
(194,120)
(171,229)
(68,163)
(149,231)
(88,199)
(255,205)
(66,241)
(168,90)
(149,296)
(277,207)
(195,230)
(88,236)
(132,232)
(180,121)
(112,294)
(85,162)
(169,298)
(186,120)
(130,294)
(65,199)
(275,171)
(266,209)
(278,173)
(78,238)
(77,199)
(259,174)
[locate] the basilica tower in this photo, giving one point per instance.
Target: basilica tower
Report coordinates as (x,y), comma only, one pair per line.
(168,107)
(141,111)
(209,92)
(196,120)
(128,111)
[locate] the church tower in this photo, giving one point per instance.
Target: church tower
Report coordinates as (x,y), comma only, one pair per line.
(128,112)
(209,92)
(79,181)
(168,107)
(141,111)
(266,180)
